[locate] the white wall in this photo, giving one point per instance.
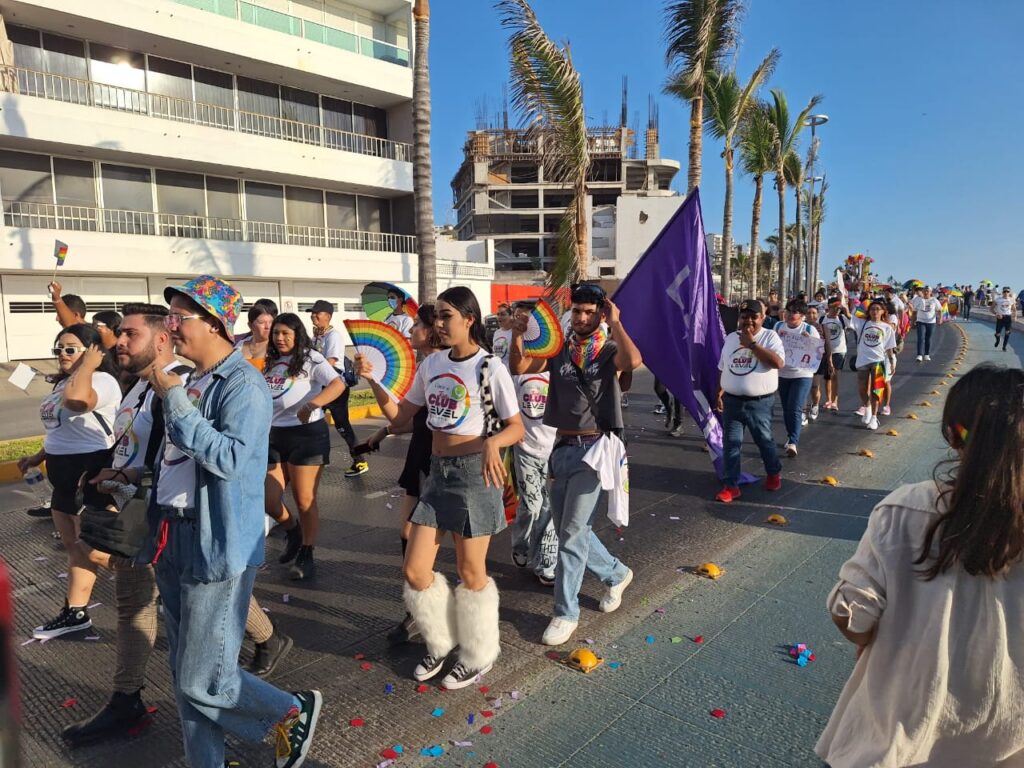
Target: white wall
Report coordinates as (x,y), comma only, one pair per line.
(633,237)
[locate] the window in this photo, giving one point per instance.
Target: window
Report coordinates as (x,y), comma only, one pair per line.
(264,211)
(341,211)
(222,205)
(181,200)
(127,199)
(174,80)
(303,108)
(557,199)
(523,174)
(259,97)
(119,78)
(26,189)
(374,214)
(305,208)
(370,121)
(64,56)
(75,187)
(215,97)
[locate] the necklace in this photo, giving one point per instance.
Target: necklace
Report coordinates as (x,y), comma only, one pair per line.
(212,368)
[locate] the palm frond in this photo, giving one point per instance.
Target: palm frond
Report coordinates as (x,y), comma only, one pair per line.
(793,169)
(564,271)
(700,35)
(757,139)
(748,95)
(722,95)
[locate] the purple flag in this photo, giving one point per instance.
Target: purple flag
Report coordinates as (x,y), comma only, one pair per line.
(670,310)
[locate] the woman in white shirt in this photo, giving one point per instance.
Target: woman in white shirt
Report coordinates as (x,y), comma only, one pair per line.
(301,383)
(78,418)
(926,311)
(473,412)
(934,601)
(876,355)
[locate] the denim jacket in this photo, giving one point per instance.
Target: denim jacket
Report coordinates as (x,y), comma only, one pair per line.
(227,436)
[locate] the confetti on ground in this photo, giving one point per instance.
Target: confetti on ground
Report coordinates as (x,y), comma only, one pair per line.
(553,655)
(29,641)
(285,598)
(649,639)
(357,722)
(389,689)
(698,639)
(438,712)
(676,640)
(486,730)
(422,688)
(93,637)
(62,575)
(435,751)
(487,713)
(719,713)
(470,719)
(589,641)
(673,517)
(359,656)
(94,605)
(385,764)
(68,703)
(484,689)
(152,710)
(660,611)
(389,753)
(366,666)
(490,765)
(614,664)
(515,695)
(40,559)
(496,704)
(462,744)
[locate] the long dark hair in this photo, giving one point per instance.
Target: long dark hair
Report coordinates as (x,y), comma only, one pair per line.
(427,315)
(303,344)
(89,336)
(982,527)
(465,303)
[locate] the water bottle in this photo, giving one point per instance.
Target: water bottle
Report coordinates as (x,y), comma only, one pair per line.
(38,486)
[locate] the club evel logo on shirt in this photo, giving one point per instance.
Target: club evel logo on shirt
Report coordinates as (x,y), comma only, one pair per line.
(872,336)
(834,329)
(50,410)
(125,438)
(742,362)
(279,382)
(500,347)
(534,399)
(448,401)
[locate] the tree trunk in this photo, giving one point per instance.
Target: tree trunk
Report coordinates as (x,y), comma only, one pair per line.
(755,225)
(780,184)
(798,254)
(727,231)
(422,171)
(696,141)
(582,234)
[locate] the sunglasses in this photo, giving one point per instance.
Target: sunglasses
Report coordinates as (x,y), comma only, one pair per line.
(68,351)
(588,293)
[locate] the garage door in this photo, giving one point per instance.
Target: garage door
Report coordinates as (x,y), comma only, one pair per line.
(29,316)
(251,290)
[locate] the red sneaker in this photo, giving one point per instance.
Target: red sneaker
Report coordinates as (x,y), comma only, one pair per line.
(727,494)
(773,482)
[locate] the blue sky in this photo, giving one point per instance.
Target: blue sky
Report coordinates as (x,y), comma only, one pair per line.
(923,96)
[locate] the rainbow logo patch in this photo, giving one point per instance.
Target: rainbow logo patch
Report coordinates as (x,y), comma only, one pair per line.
(543,337)
(394,363)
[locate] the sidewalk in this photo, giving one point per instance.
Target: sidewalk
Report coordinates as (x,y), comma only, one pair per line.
(648,704)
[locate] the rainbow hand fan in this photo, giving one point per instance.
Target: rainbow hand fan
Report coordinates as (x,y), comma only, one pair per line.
(392,358)
(543,337)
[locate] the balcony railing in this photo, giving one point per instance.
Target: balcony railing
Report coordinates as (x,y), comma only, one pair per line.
(75,91)
(77,218)
(310,30)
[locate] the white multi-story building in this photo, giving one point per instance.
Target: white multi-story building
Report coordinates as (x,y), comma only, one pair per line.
(267,141)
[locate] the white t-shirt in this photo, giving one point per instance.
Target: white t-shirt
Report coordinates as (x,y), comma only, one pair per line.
(291,393)
(501,344)
(133,425)
(532,390)
(782,329)
(451,392)
(608,457)
(331,345)
(1003,306)
(68,432)
(874,340)
(742,373)
(835,327)
(177,484)
(401,322)
(925,308)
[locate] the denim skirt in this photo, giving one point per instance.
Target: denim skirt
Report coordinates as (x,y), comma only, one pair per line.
(454,498)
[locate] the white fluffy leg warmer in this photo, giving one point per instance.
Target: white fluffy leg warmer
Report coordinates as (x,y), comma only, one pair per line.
(434,612)
(476,621)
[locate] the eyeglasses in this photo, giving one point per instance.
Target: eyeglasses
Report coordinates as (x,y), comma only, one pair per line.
(173,322)
(68,351)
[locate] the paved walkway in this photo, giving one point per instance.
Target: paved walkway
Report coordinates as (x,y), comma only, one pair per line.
(650,702)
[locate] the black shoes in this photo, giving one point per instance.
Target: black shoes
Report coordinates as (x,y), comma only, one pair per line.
(268,654)
(68,620)
(122,712)
(304,568)
(43,511)
(405,632)
(293,540)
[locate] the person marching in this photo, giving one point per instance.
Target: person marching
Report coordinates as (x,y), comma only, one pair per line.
(749,378)
(876,345)
(534,540)
(398,319)
(328,342)
(472,411)
(77,417)
(206,533)
(794,382)
(301,383)
(584,405)
(925,310)
(425,340)
(968,301)
(835,324)
(826,369)
(502,339)
(261,319)
(1005,310)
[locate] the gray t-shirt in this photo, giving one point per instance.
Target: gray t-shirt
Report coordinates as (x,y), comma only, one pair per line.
(568,408)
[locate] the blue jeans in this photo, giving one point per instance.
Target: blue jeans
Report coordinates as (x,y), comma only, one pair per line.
(533,533)
(205,623)
(575,497)
(924,338)
(793,393)
(756,416)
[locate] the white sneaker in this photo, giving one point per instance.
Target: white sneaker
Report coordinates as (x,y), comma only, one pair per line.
(919,358)
(814,412)
(886,410)
(803,420)
(868,416)
(559,631)
(873,424)
(927,357)
(613,597)
(860,411)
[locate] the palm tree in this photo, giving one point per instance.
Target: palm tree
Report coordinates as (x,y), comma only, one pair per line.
(546,90)
(700,37)
(756,140)
(725,109)
(818,218)
(422,171)
(793,171)
(786,135)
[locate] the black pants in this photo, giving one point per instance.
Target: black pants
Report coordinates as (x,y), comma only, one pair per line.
(673,408)
(1004,324)
(967,310)
(339,412)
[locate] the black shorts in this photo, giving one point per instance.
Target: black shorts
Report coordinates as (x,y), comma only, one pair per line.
(417,458)
(838,359)
(1004,323)
(304,445)
(65,472)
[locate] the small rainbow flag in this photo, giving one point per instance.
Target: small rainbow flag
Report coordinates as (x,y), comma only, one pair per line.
(390,354)
(543,337)
(878,379)
(60,252)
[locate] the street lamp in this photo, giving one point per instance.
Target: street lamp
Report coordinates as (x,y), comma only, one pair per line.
(812,275)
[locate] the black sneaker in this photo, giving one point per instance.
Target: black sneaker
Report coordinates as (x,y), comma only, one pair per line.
(122,712)
(405,632)
(428,667)
(293,540)
(43,511)
(462,676)
(303,568)
(268,654)
(68,620)
(359,467)
(546,581)
(519,560)
(295,732)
